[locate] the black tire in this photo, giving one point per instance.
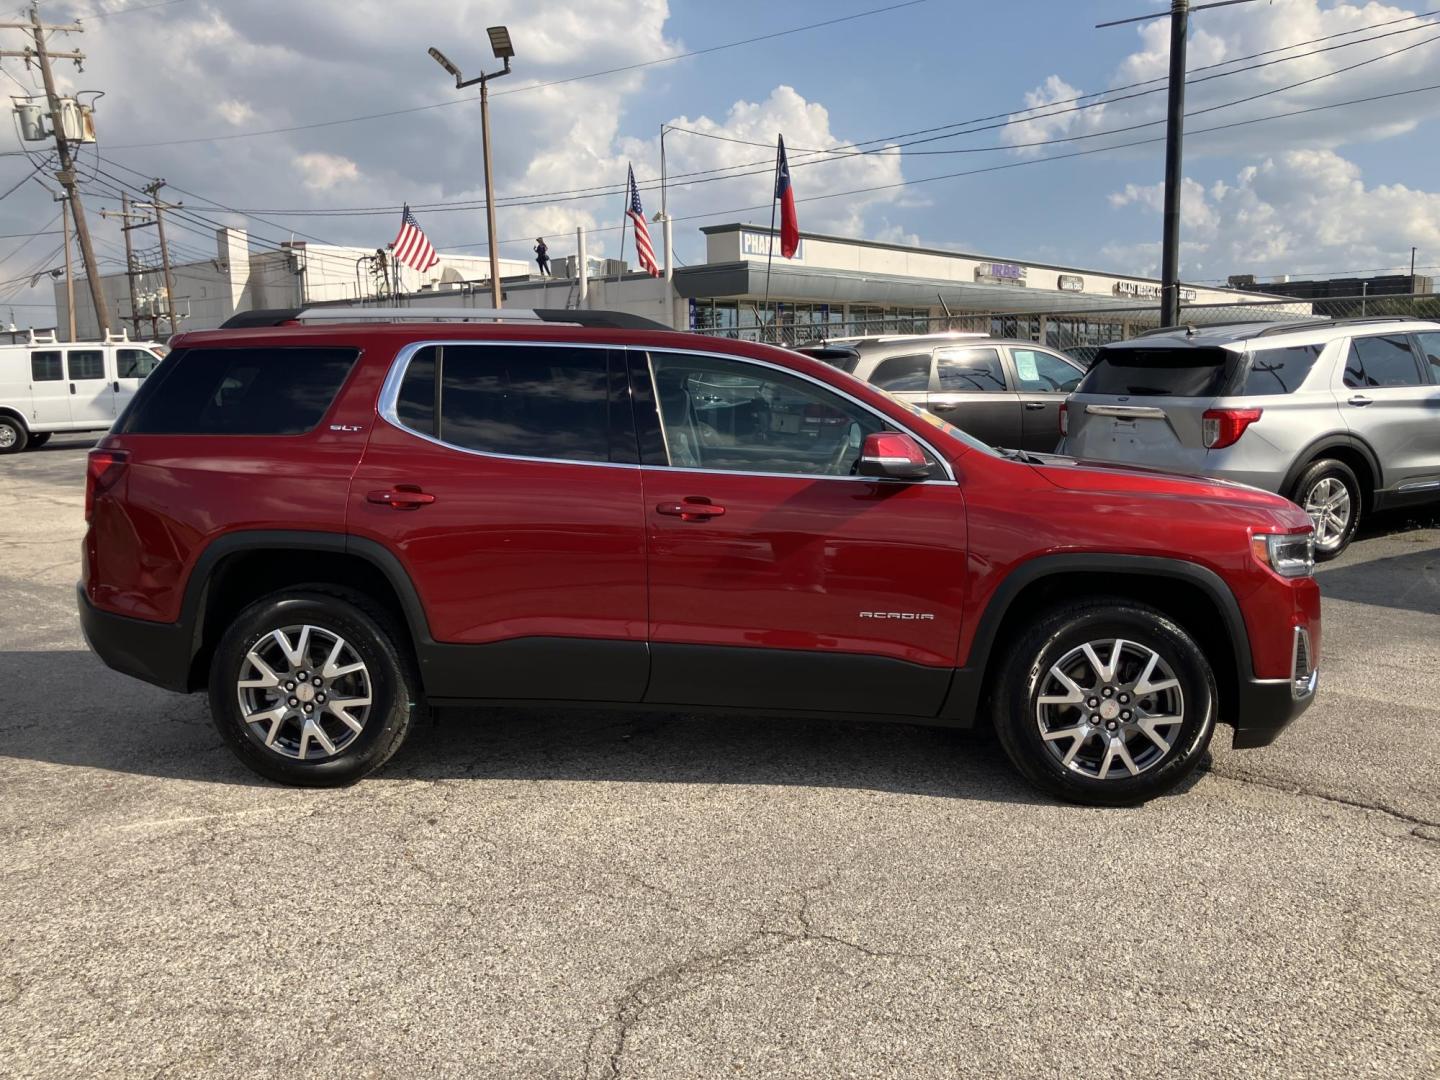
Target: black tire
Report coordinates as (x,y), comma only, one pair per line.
(1028,665)
(14,436)
(1319,472)
(39,439)
(377,642)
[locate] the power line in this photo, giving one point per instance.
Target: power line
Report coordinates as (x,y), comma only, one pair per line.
(132,9)
(893,148)
(528,88)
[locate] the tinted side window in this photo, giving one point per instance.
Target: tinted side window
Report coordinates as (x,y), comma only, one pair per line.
(86,364)
(135,363)
(1381,361)
(1279,371)
(415,406)
(1430,352)
(970,369)
(910,373)
(1042,372)
(546,402)
(246,391)
(45,367)
(727,415)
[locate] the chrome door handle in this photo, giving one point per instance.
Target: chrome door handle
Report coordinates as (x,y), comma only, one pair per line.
(1034,406)
(1360,399)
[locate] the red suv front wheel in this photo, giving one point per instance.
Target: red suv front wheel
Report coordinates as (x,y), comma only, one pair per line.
(1106,702)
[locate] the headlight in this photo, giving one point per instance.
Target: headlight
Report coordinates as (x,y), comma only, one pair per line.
(1290,555)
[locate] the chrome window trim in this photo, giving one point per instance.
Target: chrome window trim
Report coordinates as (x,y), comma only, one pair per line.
(1131,412)
(390,394)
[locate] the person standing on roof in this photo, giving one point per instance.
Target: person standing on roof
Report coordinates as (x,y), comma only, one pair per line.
(542,256)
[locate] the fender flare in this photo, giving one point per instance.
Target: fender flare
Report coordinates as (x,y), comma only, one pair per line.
(197,586)
(1333,441)
(964,699)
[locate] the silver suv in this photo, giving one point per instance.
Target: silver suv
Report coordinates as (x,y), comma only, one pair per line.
(1342,417)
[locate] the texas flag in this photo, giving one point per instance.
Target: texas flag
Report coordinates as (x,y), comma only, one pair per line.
(785,196)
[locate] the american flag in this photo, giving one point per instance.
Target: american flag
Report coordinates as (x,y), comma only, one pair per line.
(411,247)
(643,249)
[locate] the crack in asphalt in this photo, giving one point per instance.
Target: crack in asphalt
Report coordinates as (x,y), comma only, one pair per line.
(604,1059)
(1339,800)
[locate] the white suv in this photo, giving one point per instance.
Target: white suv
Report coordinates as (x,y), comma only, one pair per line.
(1341,417)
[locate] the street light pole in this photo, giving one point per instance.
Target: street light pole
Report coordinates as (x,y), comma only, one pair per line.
(1174,148)
(501,46)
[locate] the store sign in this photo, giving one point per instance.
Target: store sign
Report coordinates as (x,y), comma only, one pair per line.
(1071,283)
(1000,273)
(1148,290)
(756,245)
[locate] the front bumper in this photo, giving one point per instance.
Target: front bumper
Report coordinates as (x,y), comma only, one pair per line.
(157,653)
(1267,707)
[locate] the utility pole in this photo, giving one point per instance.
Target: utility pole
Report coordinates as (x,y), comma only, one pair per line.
(69,270)
(153,190)
(503,49)
(1174,177)
(131,273)
(66,172)
(1174,148)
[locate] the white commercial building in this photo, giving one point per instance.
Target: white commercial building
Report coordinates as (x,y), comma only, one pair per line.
(297,274)
(835,287)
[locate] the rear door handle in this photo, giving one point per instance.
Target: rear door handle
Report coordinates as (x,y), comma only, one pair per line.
(72,388)
(1361,399)
(406,497)
(693,508)
(117,386)
(1034,406)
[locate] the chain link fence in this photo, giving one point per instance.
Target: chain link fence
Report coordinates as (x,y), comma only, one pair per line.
(1077,329)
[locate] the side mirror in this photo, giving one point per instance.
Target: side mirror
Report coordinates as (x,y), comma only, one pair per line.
(892,455)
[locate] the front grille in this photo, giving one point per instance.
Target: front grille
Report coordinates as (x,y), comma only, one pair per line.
(1303,673)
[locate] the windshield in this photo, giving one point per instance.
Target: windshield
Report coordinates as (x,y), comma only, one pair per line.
(1159,372)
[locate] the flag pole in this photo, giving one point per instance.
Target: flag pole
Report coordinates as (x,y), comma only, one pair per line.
(624,217)
(770,250)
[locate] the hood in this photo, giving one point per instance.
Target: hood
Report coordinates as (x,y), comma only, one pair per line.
(1106,477)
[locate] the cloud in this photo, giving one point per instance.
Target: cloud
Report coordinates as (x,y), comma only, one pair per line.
(1225,34)
(321,172)
(1297,211)
(237,113)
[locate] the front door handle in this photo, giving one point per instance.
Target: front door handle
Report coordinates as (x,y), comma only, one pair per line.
(72,388)
(117,386)
(693,508)
(1361,399)
(402,497)
(1034,406)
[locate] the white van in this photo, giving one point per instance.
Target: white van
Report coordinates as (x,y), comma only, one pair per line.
(48,386)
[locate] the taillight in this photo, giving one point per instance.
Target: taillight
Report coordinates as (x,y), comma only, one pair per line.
(104,468)
(1223,427)
(1064,419)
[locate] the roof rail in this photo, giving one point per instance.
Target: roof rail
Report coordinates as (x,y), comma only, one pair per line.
(112,338)
(604,320)
(1320,324)
(43,338)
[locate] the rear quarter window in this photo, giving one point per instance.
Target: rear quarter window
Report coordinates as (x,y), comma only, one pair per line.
(238,391)
(1160,372)
(1279,371)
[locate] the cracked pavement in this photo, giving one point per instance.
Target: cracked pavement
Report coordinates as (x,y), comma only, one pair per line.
(540,894)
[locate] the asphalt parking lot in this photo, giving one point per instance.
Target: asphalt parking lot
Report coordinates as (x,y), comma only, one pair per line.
(533,894)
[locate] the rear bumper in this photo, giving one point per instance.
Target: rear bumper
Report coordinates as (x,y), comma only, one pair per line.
(1266,708)
(157,653)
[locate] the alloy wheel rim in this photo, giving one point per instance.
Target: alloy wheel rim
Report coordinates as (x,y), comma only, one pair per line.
(1112,718)
(304,692)
(1328,504)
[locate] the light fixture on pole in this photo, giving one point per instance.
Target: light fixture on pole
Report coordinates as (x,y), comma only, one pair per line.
(503,49)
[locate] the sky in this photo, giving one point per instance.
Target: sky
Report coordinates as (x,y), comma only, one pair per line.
(251,105)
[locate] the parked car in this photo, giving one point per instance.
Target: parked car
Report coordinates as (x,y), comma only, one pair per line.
(335,521)
(48,386)
(1003,392)
(1340,416)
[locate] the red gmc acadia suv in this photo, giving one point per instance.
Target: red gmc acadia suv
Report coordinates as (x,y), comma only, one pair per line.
(332,519)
